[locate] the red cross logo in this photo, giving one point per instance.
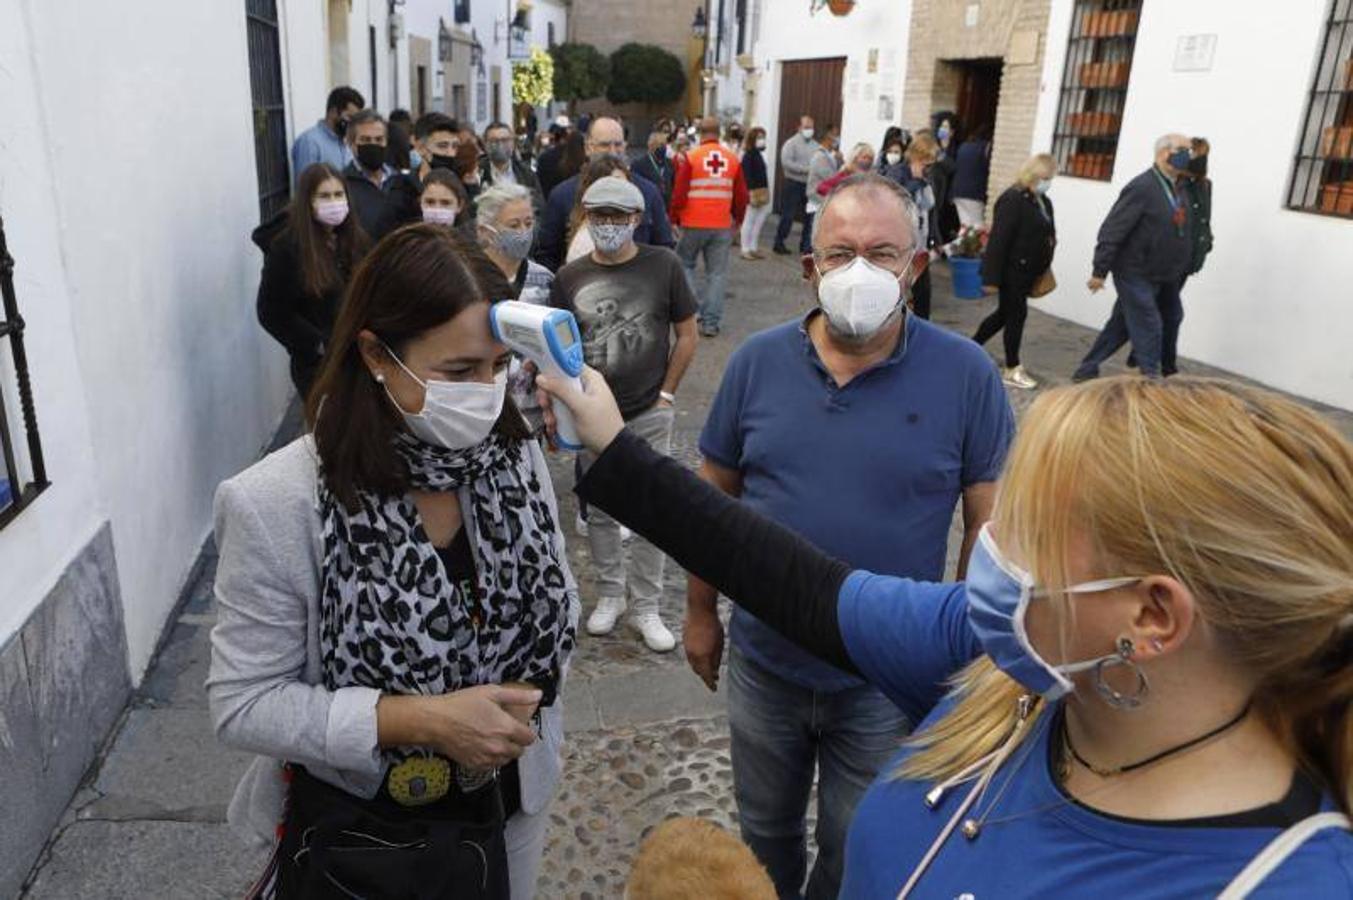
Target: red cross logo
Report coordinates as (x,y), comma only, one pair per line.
(715,163)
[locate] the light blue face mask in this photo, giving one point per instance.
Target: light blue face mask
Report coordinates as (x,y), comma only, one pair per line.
(998,598)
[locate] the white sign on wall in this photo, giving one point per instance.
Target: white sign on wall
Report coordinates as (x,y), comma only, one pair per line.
(1194,52)
(970,14)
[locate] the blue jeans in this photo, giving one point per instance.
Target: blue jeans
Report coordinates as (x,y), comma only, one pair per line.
(780,732)
(794,203)
(715,244)
(1144,313)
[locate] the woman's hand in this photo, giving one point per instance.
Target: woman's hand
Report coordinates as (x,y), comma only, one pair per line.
(595,413)
(476,727)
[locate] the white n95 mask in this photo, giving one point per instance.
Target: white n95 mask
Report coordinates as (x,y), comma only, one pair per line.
(859,297)
(456,414)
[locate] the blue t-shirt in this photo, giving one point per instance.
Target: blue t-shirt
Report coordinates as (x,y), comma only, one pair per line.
(907,638)
(869,473)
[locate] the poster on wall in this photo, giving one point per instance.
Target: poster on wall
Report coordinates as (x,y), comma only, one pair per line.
(886,107)
(1194,52)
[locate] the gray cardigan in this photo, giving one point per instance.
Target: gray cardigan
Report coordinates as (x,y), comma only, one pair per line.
(264,686)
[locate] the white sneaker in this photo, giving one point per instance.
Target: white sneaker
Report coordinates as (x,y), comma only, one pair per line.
(580,525)
(1017,377)
(602,620)
(656,635)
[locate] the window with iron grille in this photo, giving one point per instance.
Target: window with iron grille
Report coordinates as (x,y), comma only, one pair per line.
(1094,86)
(24,475)
(1322,179)
(265,87)
(461,13)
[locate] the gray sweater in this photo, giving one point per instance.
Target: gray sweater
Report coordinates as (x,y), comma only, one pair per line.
(264,687)
(796,155)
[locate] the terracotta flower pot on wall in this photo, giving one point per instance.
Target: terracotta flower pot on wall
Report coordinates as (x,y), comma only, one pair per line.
(840,7)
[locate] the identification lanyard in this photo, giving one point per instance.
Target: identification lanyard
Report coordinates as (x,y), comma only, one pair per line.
(1177,212)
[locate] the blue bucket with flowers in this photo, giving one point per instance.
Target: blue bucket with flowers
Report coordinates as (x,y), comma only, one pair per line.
(965,261)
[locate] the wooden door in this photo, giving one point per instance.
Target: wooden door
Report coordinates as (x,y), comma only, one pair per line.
(807,87)
(979,93)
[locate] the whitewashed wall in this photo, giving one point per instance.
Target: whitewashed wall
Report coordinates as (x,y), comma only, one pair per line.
(36,547)
(131,226)
(1272,302)
(305,49)
(788,32)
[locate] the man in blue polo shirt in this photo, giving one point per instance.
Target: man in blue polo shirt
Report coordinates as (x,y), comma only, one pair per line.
(860,427)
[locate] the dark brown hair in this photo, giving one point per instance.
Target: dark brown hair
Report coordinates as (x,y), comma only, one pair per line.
(574,155)
(447,179)
(749,142)
(322,265)
(467,154)
(596,169)
(416,279)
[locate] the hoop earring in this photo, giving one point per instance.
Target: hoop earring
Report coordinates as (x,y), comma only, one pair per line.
(1112,696)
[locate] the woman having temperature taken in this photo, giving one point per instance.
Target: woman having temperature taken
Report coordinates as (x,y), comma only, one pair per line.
(1145,681)
(396,609)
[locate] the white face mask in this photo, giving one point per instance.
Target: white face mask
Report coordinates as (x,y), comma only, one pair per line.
(807,133)
(761,143)
(456,414)
(894,158)
(1042,185)
(859,297)
(439,215)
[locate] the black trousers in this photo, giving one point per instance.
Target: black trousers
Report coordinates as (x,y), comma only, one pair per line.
(1011,311)
(920,295)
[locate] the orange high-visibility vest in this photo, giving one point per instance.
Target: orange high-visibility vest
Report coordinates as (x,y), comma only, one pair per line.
(709,201)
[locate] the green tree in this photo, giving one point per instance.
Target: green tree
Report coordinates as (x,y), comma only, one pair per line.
(645,73)
(581,72)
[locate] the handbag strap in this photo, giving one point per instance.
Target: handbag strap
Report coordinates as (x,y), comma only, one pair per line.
(1278,850)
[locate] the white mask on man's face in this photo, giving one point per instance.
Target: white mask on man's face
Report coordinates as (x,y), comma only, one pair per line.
(859,298)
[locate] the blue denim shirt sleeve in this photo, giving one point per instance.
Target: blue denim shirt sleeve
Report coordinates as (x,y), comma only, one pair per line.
(721,439)
(906,637)
(989,429)
(304,153)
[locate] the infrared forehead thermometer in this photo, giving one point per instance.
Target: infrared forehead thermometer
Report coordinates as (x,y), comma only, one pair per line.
(549,338)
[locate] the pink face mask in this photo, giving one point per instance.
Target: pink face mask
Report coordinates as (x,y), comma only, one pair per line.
(439,215)
(331,212)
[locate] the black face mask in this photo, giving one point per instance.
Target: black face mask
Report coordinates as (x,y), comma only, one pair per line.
(370,156)
(1198,166)
(438,161)
(342,127)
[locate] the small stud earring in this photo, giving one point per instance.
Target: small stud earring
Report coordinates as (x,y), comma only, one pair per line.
(1157,645)
(380,378)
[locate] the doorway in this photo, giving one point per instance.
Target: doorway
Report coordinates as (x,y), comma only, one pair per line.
(977,92)
(807,87)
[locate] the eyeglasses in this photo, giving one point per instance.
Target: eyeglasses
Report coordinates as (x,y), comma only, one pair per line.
(609,218)
(894,259)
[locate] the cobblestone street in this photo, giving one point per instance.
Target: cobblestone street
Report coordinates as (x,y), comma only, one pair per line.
(646,739)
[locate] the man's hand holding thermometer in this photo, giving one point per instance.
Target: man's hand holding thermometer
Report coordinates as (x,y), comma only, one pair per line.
(549,338)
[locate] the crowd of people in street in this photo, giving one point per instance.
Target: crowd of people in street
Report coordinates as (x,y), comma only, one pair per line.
(1138,684)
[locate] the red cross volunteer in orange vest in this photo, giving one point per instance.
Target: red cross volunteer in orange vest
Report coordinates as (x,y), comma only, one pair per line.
(708,202)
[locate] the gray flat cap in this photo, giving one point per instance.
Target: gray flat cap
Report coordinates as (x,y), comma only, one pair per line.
(614,192)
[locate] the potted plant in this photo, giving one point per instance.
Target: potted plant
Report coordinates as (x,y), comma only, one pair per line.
(965,261)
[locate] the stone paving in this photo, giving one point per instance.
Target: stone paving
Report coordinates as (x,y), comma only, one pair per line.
(646,740)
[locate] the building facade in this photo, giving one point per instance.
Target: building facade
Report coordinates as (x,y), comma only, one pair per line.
(135,279)
(1095,82)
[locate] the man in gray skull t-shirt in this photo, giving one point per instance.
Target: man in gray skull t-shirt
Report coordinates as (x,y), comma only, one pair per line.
(629,300)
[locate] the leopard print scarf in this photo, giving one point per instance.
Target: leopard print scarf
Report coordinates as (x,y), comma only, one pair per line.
(391,619)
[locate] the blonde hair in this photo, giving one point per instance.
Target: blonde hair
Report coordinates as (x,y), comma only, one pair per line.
(923,148)
(1243,496)
(855,152)
(1036,168)
(691,859)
